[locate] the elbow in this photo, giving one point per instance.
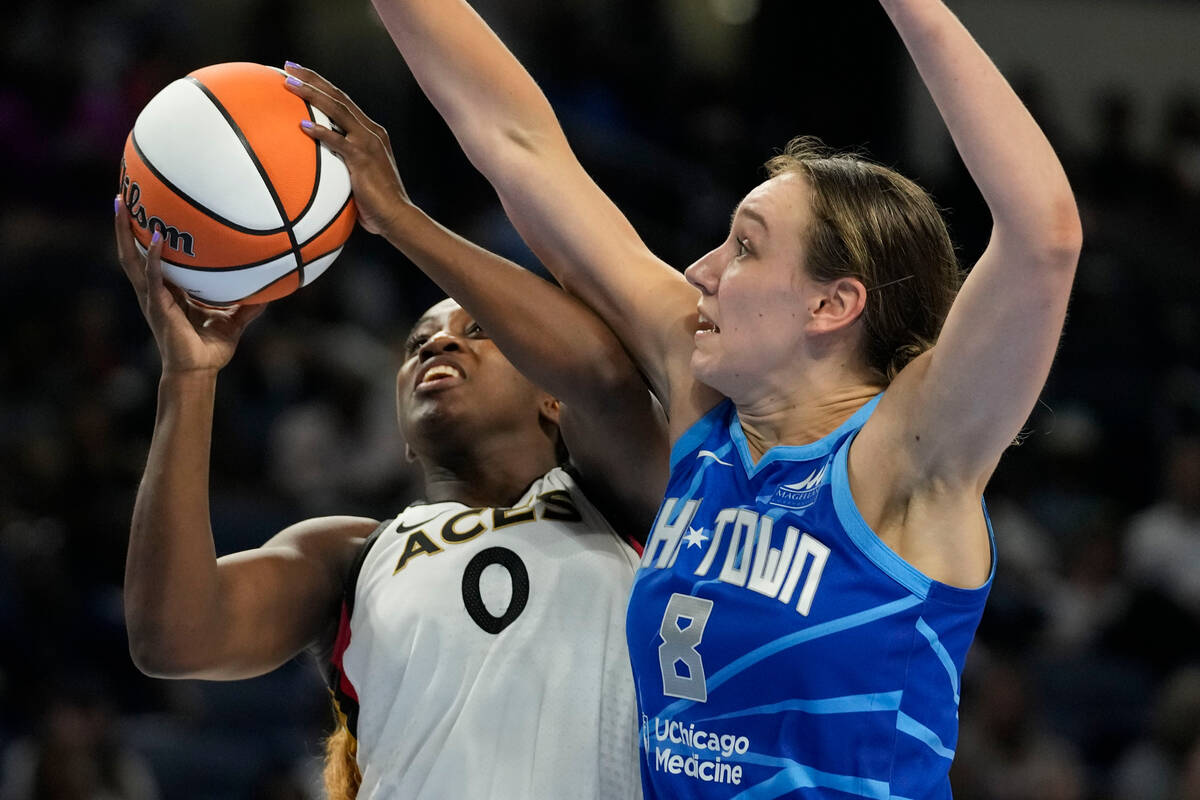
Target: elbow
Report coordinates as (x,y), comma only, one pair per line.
(150,660)
(1066,238)
(158,653)
(150,655)
(1060,237)
(1048,237)
(520,139)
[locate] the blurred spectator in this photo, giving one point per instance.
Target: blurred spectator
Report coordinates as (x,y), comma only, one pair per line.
(1096,605)
(1005,751)
(1165,764)
(1090,596)
(75,753)
(1163,546)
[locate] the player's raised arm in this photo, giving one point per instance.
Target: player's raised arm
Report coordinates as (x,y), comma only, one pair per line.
(510,133)
(963,402)
(551,337)
(189,614)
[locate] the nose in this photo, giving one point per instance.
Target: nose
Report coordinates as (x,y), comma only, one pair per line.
(705,272)
(438,343)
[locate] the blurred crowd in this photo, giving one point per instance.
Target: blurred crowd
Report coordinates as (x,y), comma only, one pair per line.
(1084,682)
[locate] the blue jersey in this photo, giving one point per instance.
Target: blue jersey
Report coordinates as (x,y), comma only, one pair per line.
(780,649)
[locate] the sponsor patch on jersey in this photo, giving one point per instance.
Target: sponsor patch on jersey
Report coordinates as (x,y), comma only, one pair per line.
(801,494)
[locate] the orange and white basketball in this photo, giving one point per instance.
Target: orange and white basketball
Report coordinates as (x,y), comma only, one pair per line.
(249,206)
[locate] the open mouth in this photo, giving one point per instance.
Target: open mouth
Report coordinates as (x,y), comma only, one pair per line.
(706,325)
(440,376)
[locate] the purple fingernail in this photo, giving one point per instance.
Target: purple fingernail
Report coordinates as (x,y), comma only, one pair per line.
(156,238)
(306,123)
(287,64)
(294,81)
(117,204)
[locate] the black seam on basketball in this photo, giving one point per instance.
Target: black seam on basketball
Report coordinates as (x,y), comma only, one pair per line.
(326,253)
(203,209)
(234,268)
(312,198)
(271,283)
(327,225)
(266,179)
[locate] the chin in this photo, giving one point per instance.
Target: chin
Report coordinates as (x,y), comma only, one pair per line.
(710,374)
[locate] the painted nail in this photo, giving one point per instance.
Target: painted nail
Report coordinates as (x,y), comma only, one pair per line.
(156,238)
(287,64)
(294,81)
(117,204)
(306,123)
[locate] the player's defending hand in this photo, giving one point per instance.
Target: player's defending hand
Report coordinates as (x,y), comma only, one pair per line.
(190,338)
(362,143)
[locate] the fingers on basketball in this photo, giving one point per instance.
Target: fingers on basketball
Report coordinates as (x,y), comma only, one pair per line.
(127,255)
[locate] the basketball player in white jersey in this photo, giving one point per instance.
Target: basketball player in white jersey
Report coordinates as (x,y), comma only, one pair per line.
(476,642)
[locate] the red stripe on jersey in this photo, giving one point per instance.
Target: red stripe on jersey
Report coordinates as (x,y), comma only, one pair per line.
(339,649)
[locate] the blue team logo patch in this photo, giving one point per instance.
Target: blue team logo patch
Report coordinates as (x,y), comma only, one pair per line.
(801,494)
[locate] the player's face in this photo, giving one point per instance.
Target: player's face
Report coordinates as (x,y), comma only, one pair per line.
(753,290)
(455,382)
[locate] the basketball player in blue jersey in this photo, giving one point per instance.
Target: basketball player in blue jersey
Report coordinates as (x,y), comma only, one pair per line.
(837,404)
(476,641)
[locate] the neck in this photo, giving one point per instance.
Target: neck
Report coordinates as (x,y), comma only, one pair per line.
(803,415)
(492,472)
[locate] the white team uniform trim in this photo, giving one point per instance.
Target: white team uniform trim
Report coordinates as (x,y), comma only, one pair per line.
(543,709)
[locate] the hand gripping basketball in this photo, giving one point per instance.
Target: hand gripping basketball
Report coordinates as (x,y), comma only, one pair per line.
(363,145)
(189,337)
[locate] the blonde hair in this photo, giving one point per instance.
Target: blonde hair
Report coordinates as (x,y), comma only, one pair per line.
(873,224)
(341,775)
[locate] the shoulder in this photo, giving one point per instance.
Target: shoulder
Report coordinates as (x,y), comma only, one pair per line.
(333,542)
(319,531)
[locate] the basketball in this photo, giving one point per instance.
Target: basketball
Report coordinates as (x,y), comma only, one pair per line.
(249,207)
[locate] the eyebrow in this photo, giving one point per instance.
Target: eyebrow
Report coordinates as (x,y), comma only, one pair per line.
(752,214)
(416,326)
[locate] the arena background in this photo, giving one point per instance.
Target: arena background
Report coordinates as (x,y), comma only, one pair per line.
(1084,682)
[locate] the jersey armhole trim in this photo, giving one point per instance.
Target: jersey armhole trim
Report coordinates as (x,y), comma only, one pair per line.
(694,436)
(350,584)
(569,475)
(869,543)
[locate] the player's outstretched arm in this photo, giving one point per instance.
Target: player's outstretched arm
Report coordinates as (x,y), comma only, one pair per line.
(551,337)
(189,614)
(508,130)
(962,403)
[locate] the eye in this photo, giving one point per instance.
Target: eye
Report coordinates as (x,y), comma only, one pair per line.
(414,343)
(475,330)
(743,247)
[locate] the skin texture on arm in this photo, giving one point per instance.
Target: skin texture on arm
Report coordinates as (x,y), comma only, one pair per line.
(619,442)
(188,613)
(950,414)
(508,130)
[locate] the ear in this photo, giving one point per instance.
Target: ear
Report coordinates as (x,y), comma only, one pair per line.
(836,305)
(550,409)
(408,453)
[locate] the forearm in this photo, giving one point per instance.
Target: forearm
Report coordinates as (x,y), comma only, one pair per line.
(1007,154)
(547,334)
(508,130)
(491,103)
(171,581)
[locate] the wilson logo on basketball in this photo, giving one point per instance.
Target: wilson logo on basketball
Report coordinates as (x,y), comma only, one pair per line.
(177,240)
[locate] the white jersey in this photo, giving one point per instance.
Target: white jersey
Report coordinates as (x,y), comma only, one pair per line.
(487,652)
